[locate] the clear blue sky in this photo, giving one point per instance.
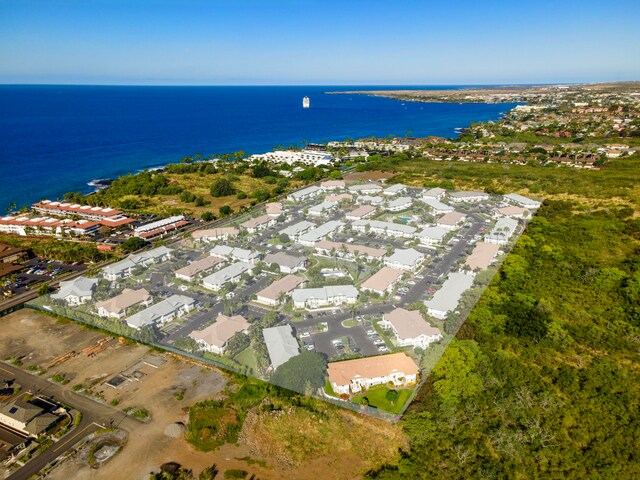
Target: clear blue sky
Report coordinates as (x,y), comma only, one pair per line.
(229,42)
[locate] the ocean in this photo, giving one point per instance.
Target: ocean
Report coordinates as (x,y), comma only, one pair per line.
(56,139)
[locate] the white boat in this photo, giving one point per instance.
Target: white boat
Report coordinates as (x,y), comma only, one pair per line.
(306,102)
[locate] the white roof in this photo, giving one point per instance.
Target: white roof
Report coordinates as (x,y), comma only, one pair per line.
(281,344)
(225,274)
(153,254)
(503,229)
(446,299)
(435,233)
(522,200)
(78,287)
(468,194)
(437,205)
(155,312)
(297,228)
(321,207)
(433,192)
(400,202)
(305,192)
(397,188)
(398,227)
(367,187)
(322,231)
(324,293)
(225,251)
(408,257)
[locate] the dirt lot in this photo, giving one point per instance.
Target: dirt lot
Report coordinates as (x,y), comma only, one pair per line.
(166,392)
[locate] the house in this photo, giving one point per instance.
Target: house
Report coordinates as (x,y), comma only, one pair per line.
(482,255)
(160,227)
(383,280)
(281,344)
(286,263)
(214,338)
(361,212)
(116,307)
(397,230)
(77,291)
(235,254)
(310,238)
(437,206)
(294,231)
(333,185)
(258,224)
(162,312)
(447,298)
(27,418)
(370,199)
(232,273)
(125,267)
(348,251)
(511,211)
(331,296)
(322,208)
(304,194)
(410,328)
(399,204)
(274,209)
(468,196)
(523,201)
(23,225)
(434,193)
(11,254)
(291,157)
(502,231)
(357,375)
(396,189)
(365,188)
(451,220)
(338,197)
(190,272)
(432,235)
(405,259)
(109,217)
(272,294)
(213,234)
(118,270)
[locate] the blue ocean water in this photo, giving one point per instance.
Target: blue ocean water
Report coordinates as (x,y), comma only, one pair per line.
(55,139)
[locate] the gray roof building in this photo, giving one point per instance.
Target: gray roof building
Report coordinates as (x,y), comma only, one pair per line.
(447,298)
(77,290)
(161,312)
(281,344)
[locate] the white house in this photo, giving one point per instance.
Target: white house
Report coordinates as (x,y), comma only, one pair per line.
(437,206)
(215,337)
(232,273)
(162,312)
(365,188)
(348,251)
(333,185)
(410,328)
(77,291)
(383,280)
(272,294)
(396,189)
(294,231)
(124,267)
(523,201)
(432,235)
(434,193)
(213,234)
(370,200)
(331,296)
(258,224)
(235,254)
(468,196)
(311,237)
(451,220)
(399,204)
(405,259)
(205,264)
(397,230)
(361,212)
(286,263)
(322,208)
(304,194)
(281,344)
(447,298)
(502,231)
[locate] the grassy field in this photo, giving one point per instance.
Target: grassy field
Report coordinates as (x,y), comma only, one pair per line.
(377,398)
(246,357)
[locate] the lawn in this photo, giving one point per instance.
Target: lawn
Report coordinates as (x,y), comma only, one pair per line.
(246,357)
(376,397)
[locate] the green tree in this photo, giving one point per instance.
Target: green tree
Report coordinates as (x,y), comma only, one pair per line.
(208,217)
(222,188)
(225,210)
(302,373)
(132,244)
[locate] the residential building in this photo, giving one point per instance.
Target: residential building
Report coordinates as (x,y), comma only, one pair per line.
(231,273)
(311,237)
(291,157)
(482,255)
(365,188)
(173,307)
(447,298)
(399,204)
(124,267)
(272,294)
(361,212)
(397,230)
(432,235)
(259,223)
(274,209)
(338,197)
(26,418)
(294,231)
(434,193)
(511,211)
(370,200)
(108,217)
(410,328)
(333,185)
(304,194)
(286,263)
(383,280)
(437,206)
(395,189)
(523,201)
(348,251)
(405,259)
(357,375)
(11,254)
(77,291)
(468,196)
(281,344)
(205,264)
(322,208)
(213,234)
(502,231)
(35,226)
(160,227)
(215,337)
(235,254)
(116,307)
(451,220)
(331,296)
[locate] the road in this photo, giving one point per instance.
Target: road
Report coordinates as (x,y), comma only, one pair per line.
(95,416)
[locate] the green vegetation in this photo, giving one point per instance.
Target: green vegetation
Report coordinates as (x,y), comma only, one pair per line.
(382,398)
(234,473)
(132,244)
(55,249)
(542,379)
(60,378)
(303,373)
